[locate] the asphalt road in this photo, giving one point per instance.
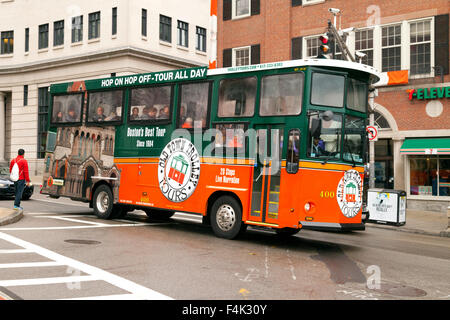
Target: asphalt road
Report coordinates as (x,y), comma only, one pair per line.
(60,250)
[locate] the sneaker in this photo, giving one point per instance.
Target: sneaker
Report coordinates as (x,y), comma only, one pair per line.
(16,208)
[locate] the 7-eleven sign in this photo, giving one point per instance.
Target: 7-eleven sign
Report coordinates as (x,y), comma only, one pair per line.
(178,169)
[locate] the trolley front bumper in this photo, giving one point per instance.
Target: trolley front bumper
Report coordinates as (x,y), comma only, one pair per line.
(325,226)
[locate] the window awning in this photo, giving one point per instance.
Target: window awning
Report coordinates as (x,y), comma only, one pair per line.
(435,146)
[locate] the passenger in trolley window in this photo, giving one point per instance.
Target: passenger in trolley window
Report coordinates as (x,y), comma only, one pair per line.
(187,123)
(134,114)
(164,113)
(100,114)
(318,147)
(72,115)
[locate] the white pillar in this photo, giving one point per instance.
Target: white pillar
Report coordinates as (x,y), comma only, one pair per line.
(2,126)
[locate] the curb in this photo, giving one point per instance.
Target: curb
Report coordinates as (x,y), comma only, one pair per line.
(408,230)
(13,216)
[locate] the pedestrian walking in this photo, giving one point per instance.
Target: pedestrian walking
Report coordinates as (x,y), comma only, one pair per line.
(23,177)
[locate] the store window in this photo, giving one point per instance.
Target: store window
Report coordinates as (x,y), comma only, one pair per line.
(430,176)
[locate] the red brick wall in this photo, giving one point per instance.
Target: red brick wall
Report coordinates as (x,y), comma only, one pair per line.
(411,114)
(279,22)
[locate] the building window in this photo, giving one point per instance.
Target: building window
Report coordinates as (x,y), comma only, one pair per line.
(364,44)
(240,8)
(77,29)
(201,39)
(144,22)
(58,33)
(381,121)
(429,176)
(241,56)
(165,28)
(27,39)
(420,49)
(312,47)
(25,95)
(43,99)
(7,42)
(43,36)
(114,21)
(391,48)
(183,34)
(94,25)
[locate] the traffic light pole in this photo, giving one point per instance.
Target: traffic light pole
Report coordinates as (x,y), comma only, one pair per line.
(336,37)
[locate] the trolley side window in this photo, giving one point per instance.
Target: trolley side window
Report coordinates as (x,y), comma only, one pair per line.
(105,106)
(324,136)
(328,90)
(152,104)
(293,151)
(355,132)
(193,111)
(237,97)
(357,95)
(282,94)
(67,108)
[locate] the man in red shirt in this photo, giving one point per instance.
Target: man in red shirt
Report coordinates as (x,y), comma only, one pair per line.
(24,178)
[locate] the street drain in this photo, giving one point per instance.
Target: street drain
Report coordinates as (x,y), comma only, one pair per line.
(80,241)
(400,290)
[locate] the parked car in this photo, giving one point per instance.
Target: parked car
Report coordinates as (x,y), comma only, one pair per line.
(7,186)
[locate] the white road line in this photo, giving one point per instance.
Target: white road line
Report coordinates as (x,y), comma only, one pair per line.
(39,281)
(14,251)
(111,297)
(74,220)
(82,227)
(139,291)
(62,203)
(30,264)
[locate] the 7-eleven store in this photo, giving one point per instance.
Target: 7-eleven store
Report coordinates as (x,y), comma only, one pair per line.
(412,151)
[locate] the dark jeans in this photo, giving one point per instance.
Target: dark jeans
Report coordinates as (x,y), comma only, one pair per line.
(19,186)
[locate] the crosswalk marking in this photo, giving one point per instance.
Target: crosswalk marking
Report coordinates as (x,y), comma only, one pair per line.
(110,297)
(40,281)
(92,273)
(5,251)
(30,264)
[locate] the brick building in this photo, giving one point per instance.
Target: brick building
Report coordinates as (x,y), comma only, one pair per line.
(407,41)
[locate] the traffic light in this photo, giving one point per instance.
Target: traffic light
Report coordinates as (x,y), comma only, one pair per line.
(324,48)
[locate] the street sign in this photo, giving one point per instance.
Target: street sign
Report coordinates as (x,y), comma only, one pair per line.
(372,133)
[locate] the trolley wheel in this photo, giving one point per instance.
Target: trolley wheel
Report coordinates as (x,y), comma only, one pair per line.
(226,218)
(286,232)
(158,214)
(102,202)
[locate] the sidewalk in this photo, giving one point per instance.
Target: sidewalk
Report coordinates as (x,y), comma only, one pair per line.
(8,216)
(422,222)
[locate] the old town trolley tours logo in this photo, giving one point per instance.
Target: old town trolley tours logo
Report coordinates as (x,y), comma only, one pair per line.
(349,193)
(178,170)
